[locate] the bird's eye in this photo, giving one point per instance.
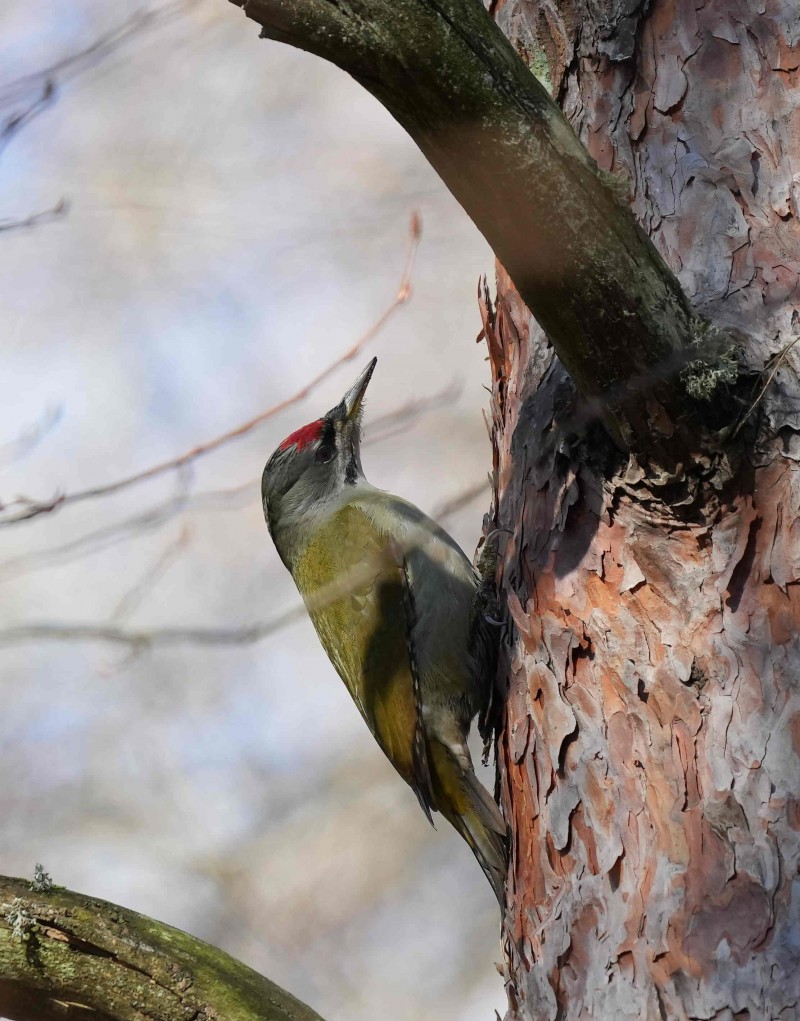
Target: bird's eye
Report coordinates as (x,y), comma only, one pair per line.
(325,452)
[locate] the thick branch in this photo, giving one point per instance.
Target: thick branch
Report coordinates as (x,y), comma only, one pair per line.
(64,955)
(613,310)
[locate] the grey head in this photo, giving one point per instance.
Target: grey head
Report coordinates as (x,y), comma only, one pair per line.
(314,466)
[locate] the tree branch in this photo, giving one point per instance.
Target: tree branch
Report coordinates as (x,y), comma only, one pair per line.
(611,307)
(64,955)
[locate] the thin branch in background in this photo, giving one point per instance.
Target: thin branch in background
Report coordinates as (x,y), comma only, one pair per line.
(16,121)
(45,81)
(456,503)
(44,86)
(58,212)
(140,641)
(247,634)
(136,595)
(31,436)
(210,501)
(104,538)
(33,508)
(393,423)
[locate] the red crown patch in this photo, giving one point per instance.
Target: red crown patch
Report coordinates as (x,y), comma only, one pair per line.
(302,437)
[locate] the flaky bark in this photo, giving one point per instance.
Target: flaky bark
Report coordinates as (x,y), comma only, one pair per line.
(448,75)
(64,955)
(651,754)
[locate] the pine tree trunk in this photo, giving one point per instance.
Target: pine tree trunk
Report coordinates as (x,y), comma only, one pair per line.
(650,758)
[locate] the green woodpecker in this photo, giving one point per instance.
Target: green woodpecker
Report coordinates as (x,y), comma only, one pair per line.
(400,612)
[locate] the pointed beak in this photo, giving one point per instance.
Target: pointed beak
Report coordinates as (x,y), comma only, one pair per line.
(354,398)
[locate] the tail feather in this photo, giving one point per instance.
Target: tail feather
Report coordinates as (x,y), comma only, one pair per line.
(469,807)
(485,831)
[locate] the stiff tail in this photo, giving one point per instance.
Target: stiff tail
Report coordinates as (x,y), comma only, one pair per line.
(468,806)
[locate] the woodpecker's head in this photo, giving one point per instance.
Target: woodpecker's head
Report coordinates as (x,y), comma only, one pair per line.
(316,462)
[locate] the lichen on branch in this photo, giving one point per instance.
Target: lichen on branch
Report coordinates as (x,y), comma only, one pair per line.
(65,955)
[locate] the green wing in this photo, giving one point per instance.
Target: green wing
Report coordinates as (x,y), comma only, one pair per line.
(355,585)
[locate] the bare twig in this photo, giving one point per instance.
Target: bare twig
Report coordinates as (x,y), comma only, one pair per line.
(135,595)
(210,501)
(397,421)
(33,508)
(101,538)
(247,634)
(461,500)
(44,86)
(72,65)
(59,210)
(30,437)
(15,122)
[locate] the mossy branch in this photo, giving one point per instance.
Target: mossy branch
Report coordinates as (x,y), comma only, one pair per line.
(612,309)
(64,955)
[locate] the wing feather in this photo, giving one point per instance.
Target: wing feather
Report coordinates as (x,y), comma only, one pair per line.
(355,583)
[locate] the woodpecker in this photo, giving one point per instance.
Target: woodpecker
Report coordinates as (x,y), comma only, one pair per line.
(400,611)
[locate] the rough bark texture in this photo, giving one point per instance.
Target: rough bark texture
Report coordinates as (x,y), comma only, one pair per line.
(448,75)
(651,756)
(64,955)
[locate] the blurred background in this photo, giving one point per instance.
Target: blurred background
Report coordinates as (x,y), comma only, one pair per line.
(237,217)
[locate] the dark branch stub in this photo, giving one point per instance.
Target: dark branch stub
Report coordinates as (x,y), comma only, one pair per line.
(610,306)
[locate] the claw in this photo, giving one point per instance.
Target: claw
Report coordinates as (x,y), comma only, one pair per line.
(486,555)
(490,620)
